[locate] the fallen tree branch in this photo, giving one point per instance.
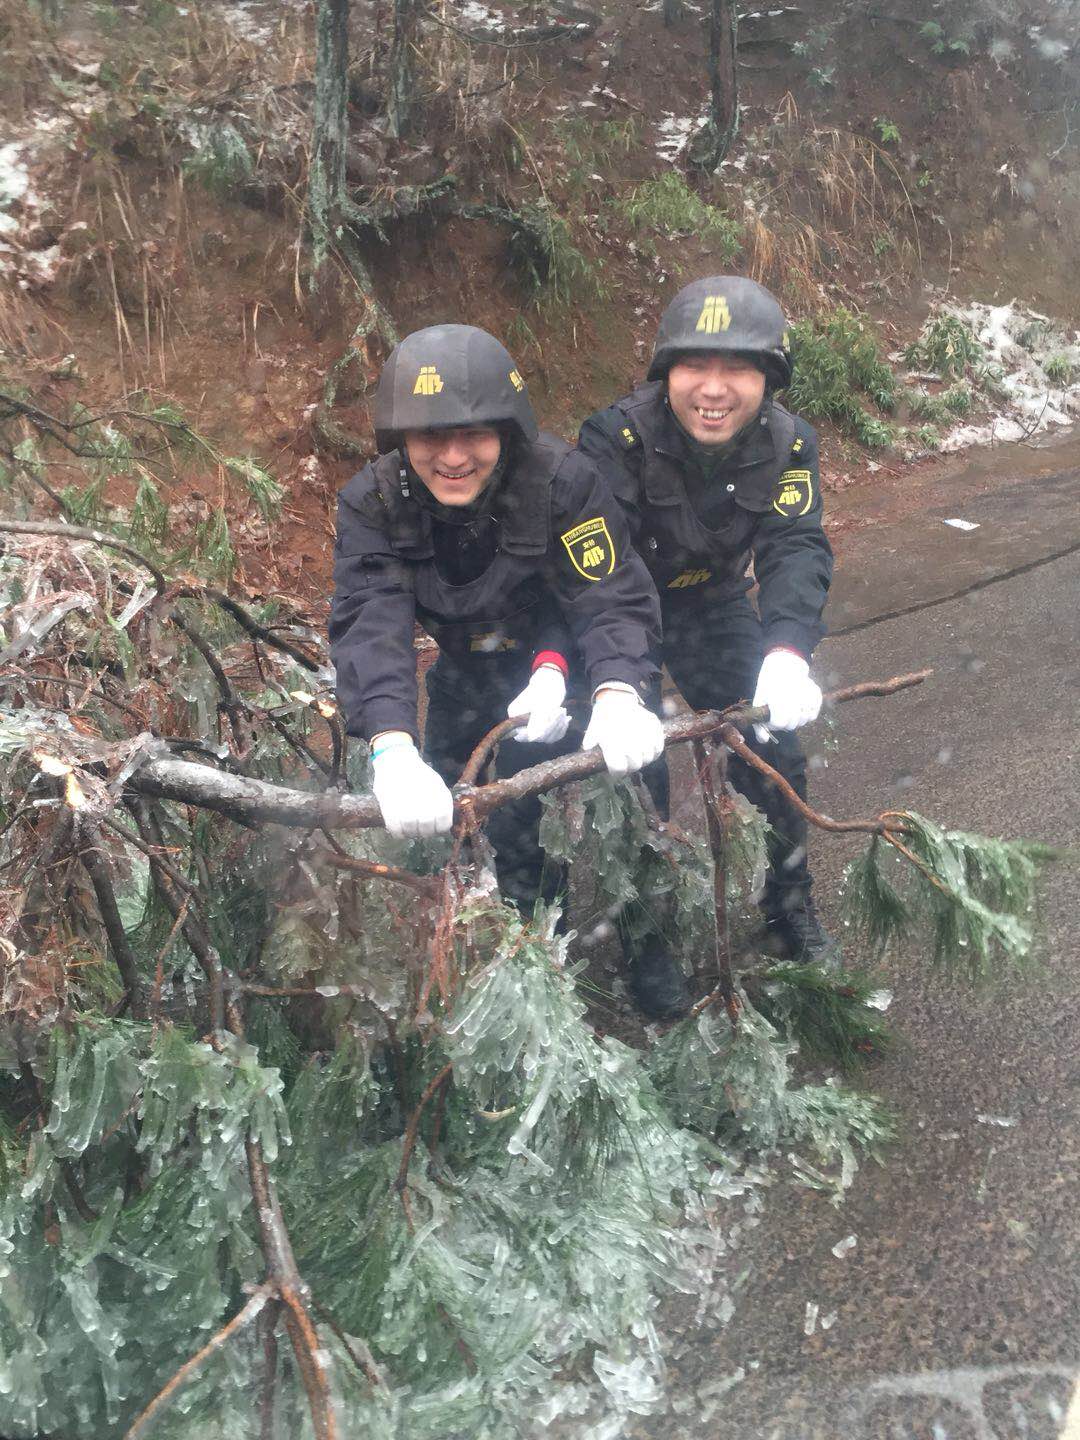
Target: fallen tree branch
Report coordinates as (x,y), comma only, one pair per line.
(427,885)
(735,742)
(717,818)
(291,1290)
(79,532)
(138,1426)
(97,868)
(257,801)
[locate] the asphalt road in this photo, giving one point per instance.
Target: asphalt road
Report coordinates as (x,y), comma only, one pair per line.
(957,1313)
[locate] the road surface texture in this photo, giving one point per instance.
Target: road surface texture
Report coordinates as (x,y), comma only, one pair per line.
(957,1312)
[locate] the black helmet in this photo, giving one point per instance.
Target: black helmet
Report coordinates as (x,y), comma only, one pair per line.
(725,314)
(449,375)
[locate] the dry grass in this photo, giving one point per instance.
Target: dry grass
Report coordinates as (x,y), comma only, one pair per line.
(834,194)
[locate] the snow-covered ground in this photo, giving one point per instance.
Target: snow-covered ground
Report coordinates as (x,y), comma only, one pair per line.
(673,133)
(1019,344)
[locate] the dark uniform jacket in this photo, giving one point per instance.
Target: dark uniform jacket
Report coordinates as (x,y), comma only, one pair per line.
(763,503)
(561,567)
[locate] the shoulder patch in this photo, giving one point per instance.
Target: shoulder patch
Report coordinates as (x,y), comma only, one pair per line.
(794,493)
(590,548)
(796,449)
(629,437)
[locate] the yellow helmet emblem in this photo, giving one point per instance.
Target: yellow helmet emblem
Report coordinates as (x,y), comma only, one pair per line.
(715,315)
(428,382)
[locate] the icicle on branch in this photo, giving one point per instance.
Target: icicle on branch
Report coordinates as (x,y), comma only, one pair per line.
(254,802)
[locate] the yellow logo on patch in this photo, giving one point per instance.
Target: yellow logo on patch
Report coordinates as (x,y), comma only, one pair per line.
(689,577)
(794,494)
(628,436)
(516,380)
(428,382)
(590,548)
(715,315)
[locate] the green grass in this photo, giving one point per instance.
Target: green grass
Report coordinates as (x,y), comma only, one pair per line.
(1059,370)
(946,346)
(838,369)
(545,258)
(666,206)
(593,144)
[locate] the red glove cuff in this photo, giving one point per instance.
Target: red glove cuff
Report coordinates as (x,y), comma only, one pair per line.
(551,657)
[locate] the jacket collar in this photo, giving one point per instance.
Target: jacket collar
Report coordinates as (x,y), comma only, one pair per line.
(753,465)
(519,507)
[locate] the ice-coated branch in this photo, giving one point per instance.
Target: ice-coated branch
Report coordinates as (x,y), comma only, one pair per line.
(138,1428)
(717,819)
(256,802)
(95,537)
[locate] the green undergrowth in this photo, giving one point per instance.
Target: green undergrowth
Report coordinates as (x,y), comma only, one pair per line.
(838,370)
(948,347)
(665,207)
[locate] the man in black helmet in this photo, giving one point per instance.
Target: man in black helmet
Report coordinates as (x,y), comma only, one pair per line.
(712,472)
(506,546)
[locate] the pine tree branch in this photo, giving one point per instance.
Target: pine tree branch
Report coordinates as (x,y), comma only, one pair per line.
(479,757)
(268,1384)
(97,869)
(137,1428)
(235,708)
(257,801)
(79,532)
(738,745)
(426,885)
(401,1184)
(717,815)
(356,1349)
(275,1243)
(246,622)
(152,852)
(281,1267)
(191,926)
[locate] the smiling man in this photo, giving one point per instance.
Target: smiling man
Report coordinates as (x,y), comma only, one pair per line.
(507,547)
(712,473)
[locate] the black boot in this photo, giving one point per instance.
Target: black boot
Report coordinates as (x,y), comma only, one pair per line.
(656,982)
(800,934)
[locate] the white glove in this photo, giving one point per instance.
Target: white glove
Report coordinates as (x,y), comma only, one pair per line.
(784,685)
(413,798)
(542,701)
(628,734)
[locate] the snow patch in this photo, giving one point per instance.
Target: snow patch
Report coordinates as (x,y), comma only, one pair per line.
(15,188)
(674,132)
(473,13)
(1019,346)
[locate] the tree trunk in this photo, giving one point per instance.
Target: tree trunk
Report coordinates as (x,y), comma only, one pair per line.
(715,138)
(330,211)
(326,185)
(399,102)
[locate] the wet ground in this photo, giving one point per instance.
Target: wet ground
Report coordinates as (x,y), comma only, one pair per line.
(957,1312)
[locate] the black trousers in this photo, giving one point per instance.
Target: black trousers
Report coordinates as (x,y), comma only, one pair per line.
(713,649)
(465,699)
